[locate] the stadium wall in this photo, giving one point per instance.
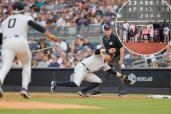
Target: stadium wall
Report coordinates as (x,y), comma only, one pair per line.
(147,81)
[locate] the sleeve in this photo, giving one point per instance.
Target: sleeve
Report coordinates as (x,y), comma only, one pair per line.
(1,35)
(36,26)
(31,22)
(1,28)
(112,71)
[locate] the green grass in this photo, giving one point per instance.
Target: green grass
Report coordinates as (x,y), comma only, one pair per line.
(111,106)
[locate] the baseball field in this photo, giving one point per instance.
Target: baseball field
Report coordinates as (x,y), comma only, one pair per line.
(65,103)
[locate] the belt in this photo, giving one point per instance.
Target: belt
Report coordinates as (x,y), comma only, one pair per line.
(85,67)
(16,36)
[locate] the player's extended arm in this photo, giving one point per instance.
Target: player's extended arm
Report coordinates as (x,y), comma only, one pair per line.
(123,77)
(41,29)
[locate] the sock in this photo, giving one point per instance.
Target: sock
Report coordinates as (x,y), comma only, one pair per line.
(66,83)
(26,76)
(90,86)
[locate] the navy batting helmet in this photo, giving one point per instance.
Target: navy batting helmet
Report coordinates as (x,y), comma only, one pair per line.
(18,7)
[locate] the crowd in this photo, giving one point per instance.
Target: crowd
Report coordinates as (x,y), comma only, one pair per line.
(153,32)
(75,14)
(72,14)
(59,53)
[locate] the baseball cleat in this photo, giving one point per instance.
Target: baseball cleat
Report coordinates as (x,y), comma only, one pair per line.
(25,94)
(95,93)
(1,91)
(122,93)
(53,86)
(82,94)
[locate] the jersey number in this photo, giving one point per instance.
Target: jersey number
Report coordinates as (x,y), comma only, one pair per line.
(11,23)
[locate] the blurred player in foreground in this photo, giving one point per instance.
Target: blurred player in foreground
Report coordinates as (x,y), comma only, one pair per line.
(84,72)
(13,32)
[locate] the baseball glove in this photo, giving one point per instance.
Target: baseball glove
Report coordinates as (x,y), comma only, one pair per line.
(125,79)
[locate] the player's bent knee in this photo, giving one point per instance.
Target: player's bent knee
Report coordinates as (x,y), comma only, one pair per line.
(77,84)
(99,81)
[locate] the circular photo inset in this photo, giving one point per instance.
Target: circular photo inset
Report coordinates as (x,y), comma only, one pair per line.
(144,26)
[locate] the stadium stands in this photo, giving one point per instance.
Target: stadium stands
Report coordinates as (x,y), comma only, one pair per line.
(78,26)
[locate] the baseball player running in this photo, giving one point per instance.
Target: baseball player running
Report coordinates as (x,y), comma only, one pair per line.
(13,32)
(84,72)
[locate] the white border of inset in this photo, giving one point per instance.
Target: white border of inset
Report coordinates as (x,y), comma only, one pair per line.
(136,21)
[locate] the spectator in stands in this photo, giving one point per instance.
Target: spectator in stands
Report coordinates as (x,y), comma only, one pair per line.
(78,43)
(72,29)
(97,21)
(33,44)
(70,57)
(86,43)
(61,23)
(75,62)
(44,63)
(62,44)
(43,43)
(151,61)
(40,20)
(56,50)
(38,55)
(53,62)
(115,8)
(49,53)
(34,63)
(61,57)
(66,64)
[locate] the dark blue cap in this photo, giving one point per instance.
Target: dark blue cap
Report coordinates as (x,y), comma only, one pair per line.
(107,27)
(18,6)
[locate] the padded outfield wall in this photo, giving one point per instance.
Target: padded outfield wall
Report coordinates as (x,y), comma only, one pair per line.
(156,81)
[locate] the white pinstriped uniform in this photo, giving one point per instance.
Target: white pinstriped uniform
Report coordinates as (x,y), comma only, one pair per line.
(14,30)
(84,70)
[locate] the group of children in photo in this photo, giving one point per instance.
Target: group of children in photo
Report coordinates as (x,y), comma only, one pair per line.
(129,32)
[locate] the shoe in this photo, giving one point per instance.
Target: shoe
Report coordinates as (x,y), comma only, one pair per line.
(95,93)
(25,94)
(82,94)
(123,93)
(53,86)
(1,91)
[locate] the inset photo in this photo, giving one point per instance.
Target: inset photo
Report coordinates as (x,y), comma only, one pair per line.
(144,26)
